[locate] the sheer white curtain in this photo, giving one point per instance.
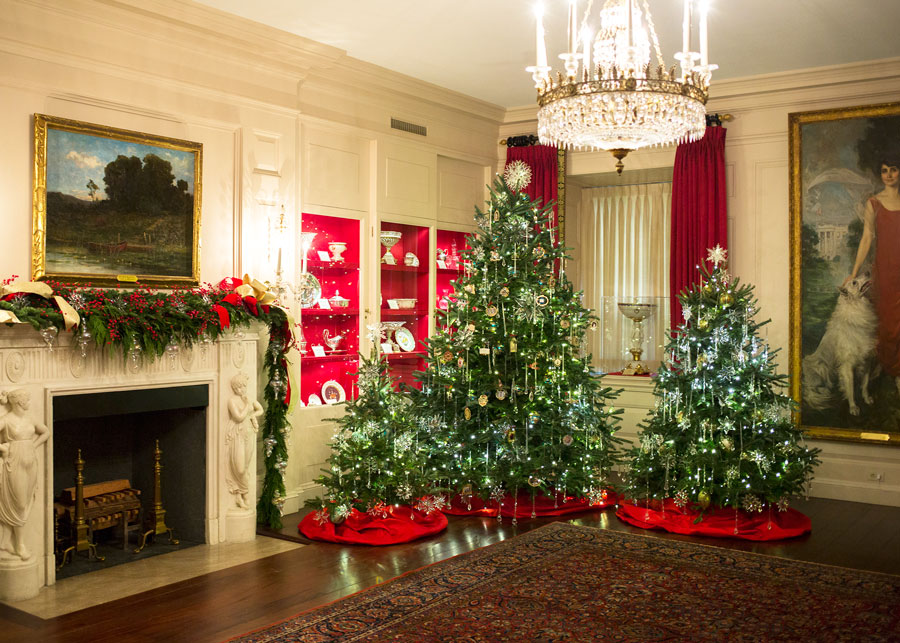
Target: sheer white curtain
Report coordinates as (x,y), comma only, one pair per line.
(624,247)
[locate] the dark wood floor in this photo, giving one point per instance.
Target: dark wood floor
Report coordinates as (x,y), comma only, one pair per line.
(234,601)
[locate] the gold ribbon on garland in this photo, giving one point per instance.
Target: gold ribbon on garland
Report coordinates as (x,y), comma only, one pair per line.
(256,289)
(71,318)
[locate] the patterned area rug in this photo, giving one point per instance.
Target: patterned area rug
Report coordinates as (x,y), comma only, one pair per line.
(564,582)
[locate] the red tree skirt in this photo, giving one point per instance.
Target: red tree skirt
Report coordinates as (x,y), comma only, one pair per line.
(543,506)
(402,525)
(717,522)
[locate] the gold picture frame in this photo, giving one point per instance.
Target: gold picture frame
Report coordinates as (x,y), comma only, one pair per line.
(845,388)
(114,206)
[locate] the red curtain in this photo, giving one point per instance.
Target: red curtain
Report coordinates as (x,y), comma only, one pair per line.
(542,161)
(699,216)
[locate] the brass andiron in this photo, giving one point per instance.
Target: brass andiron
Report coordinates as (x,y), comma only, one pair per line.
(80,532)
(155,522)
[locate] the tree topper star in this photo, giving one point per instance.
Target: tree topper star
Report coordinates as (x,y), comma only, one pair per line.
(717,255)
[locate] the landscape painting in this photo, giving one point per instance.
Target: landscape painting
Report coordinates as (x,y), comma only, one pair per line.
(845,272)
(113,205)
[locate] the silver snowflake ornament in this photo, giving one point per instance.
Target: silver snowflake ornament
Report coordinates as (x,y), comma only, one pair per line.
(404,491)
(430,504)
(751,504)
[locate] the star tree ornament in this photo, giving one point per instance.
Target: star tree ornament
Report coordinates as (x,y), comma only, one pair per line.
(517,175)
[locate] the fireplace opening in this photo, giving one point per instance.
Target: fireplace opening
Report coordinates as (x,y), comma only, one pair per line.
(117,434)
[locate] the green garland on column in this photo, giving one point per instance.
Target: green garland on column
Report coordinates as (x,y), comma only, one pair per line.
(142,321)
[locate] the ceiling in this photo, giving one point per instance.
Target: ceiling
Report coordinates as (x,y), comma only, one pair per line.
(481,47)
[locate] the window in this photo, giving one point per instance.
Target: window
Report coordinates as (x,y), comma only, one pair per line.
(623,246)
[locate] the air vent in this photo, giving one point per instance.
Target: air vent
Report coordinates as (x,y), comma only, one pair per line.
(403,126)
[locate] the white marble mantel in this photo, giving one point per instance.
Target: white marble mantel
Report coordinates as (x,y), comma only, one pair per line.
(26,363)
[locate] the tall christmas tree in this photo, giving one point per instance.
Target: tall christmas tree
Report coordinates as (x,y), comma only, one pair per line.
(508,395)
(721,434)
(377,462)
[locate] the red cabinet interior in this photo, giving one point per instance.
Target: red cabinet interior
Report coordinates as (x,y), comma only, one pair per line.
(449,247)
(406,282)
(336,277)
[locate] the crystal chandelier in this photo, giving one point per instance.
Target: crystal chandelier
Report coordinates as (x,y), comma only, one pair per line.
(610,96)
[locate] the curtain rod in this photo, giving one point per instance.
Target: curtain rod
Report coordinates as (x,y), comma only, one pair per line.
(718,119)
(522,140)
(623,185)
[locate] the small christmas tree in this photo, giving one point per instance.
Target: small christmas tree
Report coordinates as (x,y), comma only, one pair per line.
(721,434)
(508,396)
(377,461)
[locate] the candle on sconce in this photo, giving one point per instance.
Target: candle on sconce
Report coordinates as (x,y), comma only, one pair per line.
(541,47)
(278,267)
(686,27)
(704,45)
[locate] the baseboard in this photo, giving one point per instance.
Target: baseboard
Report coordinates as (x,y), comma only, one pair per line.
(843,490)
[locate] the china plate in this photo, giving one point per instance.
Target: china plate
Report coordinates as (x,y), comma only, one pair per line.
(405,339)
(309,290)
(333,392)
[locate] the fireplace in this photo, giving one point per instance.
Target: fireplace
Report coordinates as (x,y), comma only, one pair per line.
(115,415)
(117,434)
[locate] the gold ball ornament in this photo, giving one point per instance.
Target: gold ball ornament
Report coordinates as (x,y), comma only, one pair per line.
(702,323)
(467,413)
(725,299)
(564,323)
(504,292)
(491,311)
(704,498)
(482,400)
(534,481)
(707,289)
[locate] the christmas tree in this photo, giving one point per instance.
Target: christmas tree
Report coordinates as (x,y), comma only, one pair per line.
(721,434)
(508,396)
(377,461)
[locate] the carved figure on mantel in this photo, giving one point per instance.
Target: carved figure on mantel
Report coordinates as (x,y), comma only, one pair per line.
(20,436)
(240,440)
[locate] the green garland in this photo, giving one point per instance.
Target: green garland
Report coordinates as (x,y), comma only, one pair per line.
(121,319)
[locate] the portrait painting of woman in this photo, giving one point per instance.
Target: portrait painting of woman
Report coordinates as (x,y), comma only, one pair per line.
(845,264)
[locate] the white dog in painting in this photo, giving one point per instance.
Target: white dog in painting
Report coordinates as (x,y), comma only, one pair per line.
(846,352)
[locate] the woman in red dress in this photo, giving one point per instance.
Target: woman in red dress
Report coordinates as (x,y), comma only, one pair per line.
(881,223)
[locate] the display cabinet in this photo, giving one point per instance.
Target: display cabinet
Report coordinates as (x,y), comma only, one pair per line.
(449,245)
(329,294)
(404,296)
